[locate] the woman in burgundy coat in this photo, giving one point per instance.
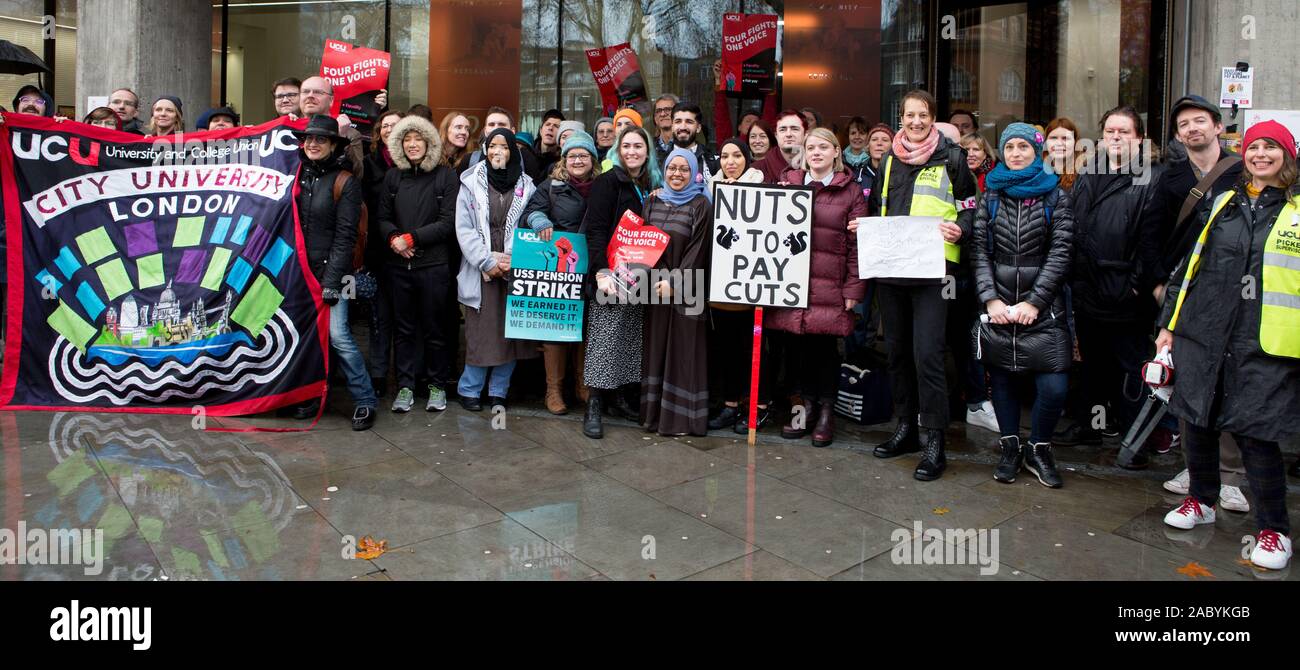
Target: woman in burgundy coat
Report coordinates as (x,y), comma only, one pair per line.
(812,354)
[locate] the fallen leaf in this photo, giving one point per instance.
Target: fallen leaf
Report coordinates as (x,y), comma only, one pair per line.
(941,510)
(1195,570)
(367,548)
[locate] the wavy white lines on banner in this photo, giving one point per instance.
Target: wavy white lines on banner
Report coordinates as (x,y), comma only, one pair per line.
(70,374)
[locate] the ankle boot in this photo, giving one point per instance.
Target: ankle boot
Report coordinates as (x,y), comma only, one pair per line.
(792,432)
(824,431)
(932,462)
(618,407)
(580,372)
(903,441)
(1013,457)
(553,357)
(591,423)
(1040,461)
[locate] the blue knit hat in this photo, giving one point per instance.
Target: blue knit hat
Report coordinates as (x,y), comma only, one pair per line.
(1025,132)
(580,139)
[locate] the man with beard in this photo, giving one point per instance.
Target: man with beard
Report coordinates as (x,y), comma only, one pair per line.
(32,100)
(686,126)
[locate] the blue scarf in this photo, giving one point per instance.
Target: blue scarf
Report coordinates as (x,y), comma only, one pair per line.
(1030,182)
(693,187)
(856,160)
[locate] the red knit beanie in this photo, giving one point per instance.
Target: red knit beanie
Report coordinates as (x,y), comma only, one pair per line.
(1271,130)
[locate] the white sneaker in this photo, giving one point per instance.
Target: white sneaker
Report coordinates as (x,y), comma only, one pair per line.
(983,417)
(1179,484)
(1190,514)
(1231,499)
(1272,550)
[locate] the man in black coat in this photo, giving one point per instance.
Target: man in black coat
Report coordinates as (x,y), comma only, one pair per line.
(329,231)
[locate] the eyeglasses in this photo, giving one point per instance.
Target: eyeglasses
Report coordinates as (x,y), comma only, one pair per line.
(311,91)
(663,110)
(674,169)
(285,96)
(578,158)
(315,139)
(31,99)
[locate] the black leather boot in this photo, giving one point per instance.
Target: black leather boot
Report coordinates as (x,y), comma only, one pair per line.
(1013,458)
(932,462)
(1040,461)
(618,407)
(903,441)
(591,423)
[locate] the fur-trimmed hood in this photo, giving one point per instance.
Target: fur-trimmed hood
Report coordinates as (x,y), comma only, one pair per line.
(432,158)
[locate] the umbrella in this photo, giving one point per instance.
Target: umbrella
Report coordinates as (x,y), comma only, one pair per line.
(16,59)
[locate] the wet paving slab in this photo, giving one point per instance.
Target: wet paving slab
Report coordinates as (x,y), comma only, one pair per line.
(524,495)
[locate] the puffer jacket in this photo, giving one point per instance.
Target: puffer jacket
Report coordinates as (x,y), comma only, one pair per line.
(474,231)
(1030,263)
(556,204)
(1116,256)
(1216,337)
(329,228)
(420,200)
(902,179)
(833,276)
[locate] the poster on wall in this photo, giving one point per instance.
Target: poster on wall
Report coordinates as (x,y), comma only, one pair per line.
(545,302)
(156,275)
(618,75)
(1237,88)
(760,253)
(358,74)
(748,53)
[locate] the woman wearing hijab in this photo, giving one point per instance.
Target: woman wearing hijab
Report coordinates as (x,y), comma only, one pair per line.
(491,204)
(614,327)
(1023,245)
(675,389)
(731,325)
(559,205)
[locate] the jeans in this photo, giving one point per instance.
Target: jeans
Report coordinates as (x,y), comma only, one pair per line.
(1048,403)
(349,357)
(471,380)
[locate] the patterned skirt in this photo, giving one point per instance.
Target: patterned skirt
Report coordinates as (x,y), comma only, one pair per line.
(613,345)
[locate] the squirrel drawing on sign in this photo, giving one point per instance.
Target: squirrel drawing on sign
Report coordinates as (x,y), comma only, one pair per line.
(727,236)
(798,242)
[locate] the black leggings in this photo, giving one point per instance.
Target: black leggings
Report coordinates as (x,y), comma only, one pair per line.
(812,366)
(732,343)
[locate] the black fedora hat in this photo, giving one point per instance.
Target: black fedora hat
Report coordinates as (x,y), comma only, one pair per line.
(320,125)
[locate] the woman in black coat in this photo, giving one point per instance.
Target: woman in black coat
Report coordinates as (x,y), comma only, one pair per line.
(1236,343)
(1022,245)
(559,205)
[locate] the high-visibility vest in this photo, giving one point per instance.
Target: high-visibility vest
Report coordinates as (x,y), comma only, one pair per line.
(1279,322)
(931,196)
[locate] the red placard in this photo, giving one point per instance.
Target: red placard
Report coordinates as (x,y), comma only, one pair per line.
(748,53)
(634,249)
(358,74)
(618,75)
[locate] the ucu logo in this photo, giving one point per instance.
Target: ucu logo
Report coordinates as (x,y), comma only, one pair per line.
(341,48)
(55,148)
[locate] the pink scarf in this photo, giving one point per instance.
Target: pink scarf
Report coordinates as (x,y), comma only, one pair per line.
(915,154)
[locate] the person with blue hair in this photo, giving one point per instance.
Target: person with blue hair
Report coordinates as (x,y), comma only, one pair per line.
(675,386)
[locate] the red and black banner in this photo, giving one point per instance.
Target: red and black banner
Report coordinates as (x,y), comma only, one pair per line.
(748,53)
(618,75)
(156,275)
(358,74)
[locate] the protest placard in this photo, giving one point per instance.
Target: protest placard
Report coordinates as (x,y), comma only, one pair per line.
(748,53)
(903,247)
(545,301)
(633,250)
(761,235)
(618,76)
(358,74)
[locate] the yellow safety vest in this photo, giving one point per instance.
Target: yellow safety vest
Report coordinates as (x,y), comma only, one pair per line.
(1279,323)
(931,196)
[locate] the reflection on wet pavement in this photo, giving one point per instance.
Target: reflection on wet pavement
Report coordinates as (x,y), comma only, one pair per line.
(458,498)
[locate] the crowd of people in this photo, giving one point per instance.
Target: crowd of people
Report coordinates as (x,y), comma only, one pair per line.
(1068,268)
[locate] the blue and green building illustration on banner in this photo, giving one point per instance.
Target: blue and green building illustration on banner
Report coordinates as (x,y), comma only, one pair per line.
(545,300)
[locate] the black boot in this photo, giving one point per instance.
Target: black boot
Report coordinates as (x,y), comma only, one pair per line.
(618,407)
(591,424)
(1013,458)
(725,419)
(903,441)
(932,462)
(1040,461)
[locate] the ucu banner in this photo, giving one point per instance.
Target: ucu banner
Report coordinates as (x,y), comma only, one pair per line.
(156,275)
